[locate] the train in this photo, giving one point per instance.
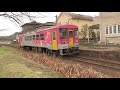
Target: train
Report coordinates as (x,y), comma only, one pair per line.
(58,40)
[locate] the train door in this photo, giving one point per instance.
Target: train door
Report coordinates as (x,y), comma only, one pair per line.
(70,32)
(54,41)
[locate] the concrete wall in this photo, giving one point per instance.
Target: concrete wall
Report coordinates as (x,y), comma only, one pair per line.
(109,19)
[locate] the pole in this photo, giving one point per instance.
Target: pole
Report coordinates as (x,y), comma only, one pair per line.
(56,19)
(97,35)
(88,33)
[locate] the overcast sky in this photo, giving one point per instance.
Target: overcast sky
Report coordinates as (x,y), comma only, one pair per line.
(9,27)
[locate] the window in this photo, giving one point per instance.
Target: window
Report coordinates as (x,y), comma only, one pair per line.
(118,28)
(37,37)
(63,33)
(27,38)
(54,37)
(60,23)
(70,34)
(33,37)
(41,36)
(30,38)
(110,29)
(107,30)
(76,32)
(67,22)
(114,28)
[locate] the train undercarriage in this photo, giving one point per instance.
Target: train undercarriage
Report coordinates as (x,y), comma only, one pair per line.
(69,51)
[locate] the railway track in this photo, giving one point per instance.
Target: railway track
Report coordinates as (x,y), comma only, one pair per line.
(106,64)
(101,63)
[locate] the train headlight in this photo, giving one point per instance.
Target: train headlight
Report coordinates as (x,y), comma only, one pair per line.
(64,42)
(77,41)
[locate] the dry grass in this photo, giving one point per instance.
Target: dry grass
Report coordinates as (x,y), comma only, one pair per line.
(69,70)
(13,65)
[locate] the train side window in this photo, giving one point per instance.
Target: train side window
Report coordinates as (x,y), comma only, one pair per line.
(37,37)
(33,37)
(25,38)
(41,36)
(30,38)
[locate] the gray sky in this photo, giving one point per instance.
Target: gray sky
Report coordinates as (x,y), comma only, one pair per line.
(11,27)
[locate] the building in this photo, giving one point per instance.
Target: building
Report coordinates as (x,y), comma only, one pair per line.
(76,19)
(32,26)
(46,25)
(110,27)
(96,27)
(28,27)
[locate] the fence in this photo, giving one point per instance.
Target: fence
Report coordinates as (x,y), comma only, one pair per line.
(85,42)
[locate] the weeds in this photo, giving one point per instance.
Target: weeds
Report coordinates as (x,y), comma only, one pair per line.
(69,70)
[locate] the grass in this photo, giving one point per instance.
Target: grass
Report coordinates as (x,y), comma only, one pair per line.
(13,65)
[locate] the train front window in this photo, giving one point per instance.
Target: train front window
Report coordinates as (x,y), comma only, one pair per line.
(63,33)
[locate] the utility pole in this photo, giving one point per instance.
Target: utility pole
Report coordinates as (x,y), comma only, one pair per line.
(88,32)
(88,36)
(56,19)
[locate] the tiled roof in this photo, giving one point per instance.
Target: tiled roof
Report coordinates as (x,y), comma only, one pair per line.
(79,16)
(96,26)
(32,23)
(40,24)
(49,24)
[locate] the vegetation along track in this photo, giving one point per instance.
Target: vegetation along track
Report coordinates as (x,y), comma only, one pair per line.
(102,63)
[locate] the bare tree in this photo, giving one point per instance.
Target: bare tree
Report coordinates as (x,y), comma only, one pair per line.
(18,17)
(3,29)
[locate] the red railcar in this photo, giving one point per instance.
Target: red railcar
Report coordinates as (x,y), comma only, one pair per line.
(62,40)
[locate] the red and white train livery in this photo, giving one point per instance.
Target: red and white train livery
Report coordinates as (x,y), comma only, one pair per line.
(62,40)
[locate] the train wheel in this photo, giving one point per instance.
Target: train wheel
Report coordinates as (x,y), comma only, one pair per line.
(55,53)
(24,48)
(49,52)
(30,48)
(36,49)
(39,50)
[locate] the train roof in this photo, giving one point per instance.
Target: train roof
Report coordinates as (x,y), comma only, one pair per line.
(58,26)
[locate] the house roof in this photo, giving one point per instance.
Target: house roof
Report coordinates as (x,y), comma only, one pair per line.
(49,24)
(32,23)
(78,16)
(96,26)
(40,24)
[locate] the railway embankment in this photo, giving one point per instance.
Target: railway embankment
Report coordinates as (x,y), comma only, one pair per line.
(100,52)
